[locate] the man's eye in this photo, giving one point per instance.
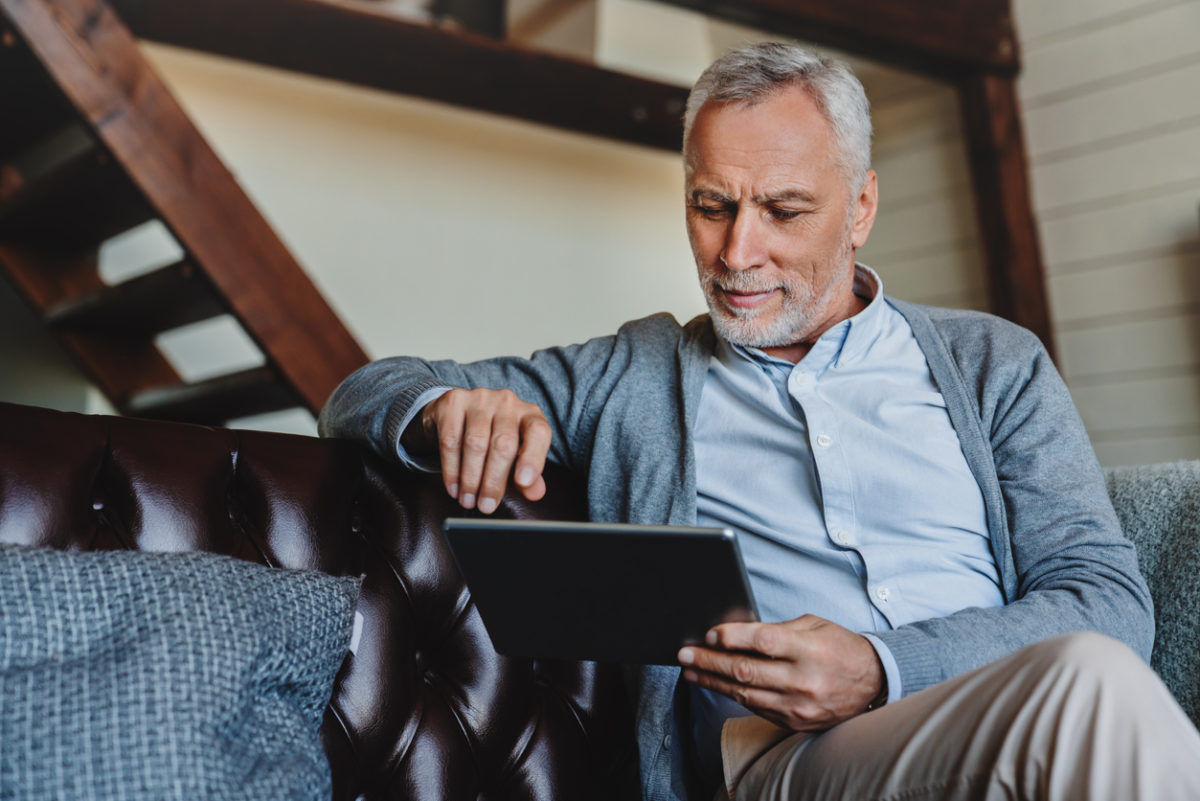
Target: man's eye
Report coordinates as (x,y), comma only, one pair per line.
(784,214)
(712,212)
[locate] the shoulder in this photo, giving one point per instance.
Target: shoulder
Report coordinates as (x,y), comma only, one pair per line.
(663,335)
(971,332)
(1000,365)
(660,326)
(980,345)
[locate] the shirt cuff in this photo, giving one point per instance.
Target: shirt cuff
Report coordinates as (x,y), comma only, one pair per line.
(891,670)
(430,464)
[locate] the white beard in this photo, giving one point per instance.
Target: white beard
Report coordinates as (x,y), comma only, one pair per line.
(794,316)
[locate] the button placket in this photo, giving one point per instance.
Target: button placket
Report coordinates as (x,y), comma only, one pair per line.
(837,494)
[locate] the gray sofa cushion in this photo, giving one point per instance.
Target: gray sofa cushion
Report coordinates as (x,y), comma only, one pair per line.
(1159,508)
(127,675)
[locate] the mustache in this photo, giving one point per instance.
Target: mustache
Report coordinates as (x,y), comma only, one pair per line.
(743,282)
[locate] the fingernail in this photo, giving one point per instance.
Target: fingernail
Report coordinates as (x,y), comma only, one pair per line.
(468,501)
(453,490)
(525,476)
(686,656)
(487,505)
(689,675)
(711,638)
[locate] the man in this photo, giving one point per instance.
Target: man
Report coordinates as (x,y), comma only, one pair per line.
(923,502)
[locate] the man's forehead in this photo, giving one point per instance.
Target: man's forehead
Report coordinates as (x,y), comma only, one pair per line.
(780,144)
(790,108)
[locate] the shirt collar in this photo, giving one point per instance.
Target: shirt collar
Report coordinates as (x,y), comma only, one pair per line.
(847,341)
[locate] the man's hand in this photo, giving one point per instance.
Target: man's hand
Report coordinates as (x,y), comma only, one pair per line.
(806,674)
(483,436)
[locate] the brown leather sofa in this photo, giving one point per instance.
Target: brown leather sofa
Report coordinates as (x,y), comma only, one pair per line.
(425,708)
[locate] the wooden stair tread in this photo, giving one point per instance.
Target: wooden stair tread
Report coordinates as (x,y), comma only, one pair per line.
(215,400)
(80,203)
(167,298)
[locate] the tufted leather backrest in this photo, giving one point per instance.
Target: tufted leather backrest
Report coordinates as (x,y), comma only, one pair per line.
(425,708)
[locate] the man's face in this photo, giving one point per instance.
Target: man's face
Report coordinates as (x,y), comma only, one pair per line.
(773,222)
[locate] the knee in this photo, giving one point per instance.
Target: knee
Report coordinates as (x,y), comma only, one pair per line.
(1087,653)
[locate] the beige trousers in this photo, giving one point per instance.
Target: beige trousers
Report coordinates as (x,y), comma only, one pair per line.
(1074,717)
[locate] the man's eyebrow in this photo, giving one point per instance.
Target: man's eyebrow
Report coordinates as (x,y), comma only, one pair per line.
(782,196)
(709,194)
(803,195)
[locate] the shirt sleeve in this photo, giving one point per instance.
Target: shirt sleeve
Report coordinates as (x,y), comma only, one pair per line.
(891,670)
(427,464)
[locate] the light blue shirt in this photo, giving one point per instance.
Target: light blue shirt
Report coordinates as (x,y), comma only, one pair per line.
(846,485)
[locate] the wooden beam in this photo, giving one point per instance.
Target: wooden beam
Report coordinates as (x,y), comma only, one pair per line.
(942,38)
(1000,173)
(368,48)
(487,17)
(545,14)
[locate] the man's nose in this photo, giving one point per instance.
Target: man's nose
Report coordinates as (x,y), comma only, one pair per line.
(743,242)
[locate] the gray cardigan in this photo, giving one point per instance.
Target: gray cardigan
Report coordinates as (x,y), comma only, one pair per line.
(622,407)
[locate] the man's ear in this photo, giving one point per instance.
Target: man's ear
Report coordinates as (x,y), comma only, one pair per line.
(866,204)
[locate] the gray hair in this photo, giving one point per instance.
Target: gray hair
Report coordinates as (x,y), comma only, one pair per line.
(751,74)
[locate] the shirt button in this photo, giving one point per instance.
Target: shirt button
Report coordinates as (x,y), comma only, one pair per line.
(799,380)
(843,537)
(882,593)
(824,440)
(667,742)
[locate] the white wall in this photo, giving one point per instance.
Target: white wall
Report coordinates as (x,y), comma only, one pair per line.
(1112,114)
(442,232)
(33,369)
(925,244)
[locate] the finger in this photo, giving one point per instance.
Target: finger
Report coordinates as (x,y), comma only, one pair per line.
(448,423)
(741,668)
(770,639)
(753,698)
(531,459)
(502,452)
(477,437)
(535,492)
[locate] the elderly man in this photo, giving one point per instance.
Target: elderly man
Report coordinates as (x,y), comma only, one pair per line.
(924,520)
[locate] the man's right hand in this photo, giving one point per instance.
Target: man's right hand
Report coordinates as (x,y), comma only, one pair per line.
(483,436)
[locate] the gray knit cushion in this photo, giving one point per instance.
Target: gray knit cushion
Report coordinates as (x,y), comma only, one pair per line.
(127,675)
(1159,507)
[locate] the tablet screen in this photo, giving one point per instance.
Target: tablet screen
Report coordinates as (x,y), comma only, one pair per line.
(598,591)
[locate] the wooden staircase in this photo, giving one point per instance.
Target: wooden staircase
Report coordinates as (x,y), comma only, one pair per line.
(92,145)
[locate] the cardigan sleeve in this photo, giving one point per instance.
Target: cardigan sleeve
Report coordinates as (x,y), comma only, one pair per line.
(371,404)
(570,384)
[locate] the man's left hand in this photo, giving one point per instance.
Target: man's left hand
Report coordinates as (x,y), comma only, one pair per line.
(807,674)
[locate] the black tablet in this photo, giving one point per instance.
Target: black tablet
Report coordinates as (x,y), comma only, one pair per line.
(598,591)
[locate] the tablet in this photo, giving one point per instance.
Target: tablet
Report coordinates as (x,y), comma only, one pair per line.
(598,591)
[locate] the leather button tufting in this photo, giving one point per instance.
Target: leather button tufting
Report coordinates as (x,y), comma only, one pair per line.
(455,723)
